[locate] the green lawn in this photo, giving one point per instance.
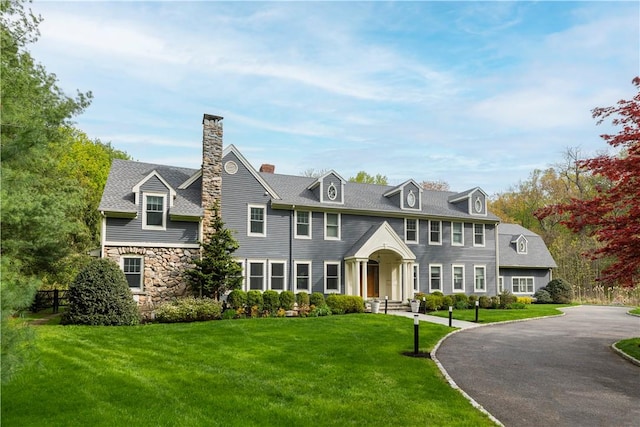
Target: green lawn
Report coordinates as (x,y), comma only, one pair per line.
(635,311)
(501,315)
(338,370)
(630,346)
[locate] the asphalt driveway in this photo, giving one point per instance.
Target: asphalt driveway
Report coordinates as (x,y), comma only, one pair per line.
(556,371)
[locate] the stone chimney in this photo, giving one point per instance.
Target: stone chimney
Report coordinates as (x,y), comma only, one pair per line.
(267,168)
(211,168)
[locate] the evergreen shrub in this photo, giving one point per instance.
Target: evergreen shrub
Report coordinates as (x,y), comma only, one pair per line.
(287,300)
(485,302)
(507,298)
(317,299)
(302,298)
(472,301)
(189,309)
(447,301)
(100,295)
(237,298)
(542,296)
(560,291)
(460,301)
(344,304)
(254,302)
(270,301)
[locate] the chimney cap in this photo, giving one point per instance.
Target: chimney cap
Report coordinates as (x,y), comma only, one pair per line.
(211,117)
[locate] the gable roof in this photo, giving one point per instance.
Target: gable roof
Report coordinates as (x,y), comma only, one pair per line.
(118,196)
(232,149)
(369,198)
(537,255)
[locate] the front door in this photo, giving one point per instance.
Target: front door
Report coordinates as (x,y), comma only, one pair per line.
(373,283)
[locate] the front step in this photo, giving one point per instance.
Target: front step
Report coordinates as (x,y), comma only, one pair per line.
(391,305)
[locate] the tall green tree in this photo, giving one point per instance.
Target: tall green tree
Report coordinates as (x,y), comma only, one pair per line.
(365,178)
(37,203)
(216,272)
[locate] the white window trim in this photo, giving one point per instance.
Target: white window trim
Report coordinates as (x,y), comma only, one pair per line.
(295,283)
(332,291)
(141,258)
(431,289)
(144,211)
(484,236)
(264,228)
(431,242)
(415,278)
(242,273)
(417,240)
(484,278)
(339,226)
(533,285)
(455,243)
(453,267)
(284,283)
(265,273)
(295,232)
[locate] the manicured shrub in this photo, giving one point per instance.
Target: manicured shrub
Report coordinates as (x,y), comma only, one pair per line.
(560,291)
(460,301)
(485,302)
(270,302)
(542,296)
(302,298)
(254,299)
(344,304)
(472,301)
(507,298)
(317,299)
(100,295)
(237,298)
(525,300)
(495,302)
(447,301)
(287,300)
(189,309)
(434,302)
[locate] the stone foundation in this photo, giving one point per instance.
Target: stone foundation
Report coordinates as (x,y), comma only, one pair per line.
(163,273)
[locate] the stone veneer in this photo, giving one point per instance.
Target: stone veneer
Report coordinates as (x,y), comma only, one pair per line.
(163,273)
(211,168)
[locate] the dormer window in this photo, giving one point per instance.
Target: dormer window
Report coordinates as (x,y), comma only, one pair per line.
(411,199)
(478,204)
(521,245)
(332,192)
(153,212)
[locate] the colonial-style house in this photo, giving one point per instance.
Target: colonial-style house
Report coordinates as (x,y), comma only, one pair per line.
(320,234)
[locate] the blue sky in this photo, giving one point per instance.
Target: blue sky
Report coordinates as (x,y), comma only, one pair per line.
(471,93)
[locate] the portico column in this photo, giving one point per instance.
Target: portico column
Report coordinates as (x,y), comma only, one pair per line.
(364,280)
(356,265)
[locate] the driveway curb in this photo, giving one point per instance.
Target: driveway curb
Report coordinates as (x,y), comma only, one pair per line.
(624,355)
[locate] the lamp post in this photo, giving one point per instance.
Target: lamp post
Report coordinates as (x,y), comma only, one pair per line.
(450,316)
(477,306)
(416,334)
(386,300)
(424,301)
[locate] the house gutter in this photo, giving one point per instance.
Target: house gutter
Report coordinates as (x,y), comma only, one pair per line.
(291,225)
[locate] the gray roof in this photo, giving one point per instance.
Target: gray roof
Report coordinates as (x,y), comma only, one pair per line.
(537,255)
(125,174)
(293,190)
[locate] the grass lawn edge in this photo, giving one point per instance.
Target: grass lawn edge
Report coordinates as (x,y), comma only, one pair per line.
(624,354)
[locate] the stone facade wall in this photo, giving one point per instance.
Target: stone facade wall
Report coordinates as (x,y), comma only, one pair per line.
(211,168)
(163,273)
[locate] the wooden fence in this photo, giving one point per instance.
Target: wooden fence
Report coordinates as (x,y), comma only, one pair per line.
(54,298)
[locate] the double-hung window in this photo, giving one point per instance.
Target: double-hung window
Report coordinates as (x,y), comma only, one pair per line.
(331,226)
(303,225)
(435,278)
(277,276)
(480,278)
(133,268)
(435,232)
(331,277)
(416,278)
(257,221)
(457,234)
(256,275)
(303,276)
(478,234)
(411,230)
(522,285)
(153,212)
(458,278)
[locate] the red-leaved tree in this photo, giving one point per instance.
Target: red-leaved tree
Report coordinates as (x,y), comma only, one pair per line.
(613,215)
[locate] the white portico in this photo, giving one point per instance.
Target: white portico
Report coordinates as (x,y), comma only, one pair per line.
(380,264)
